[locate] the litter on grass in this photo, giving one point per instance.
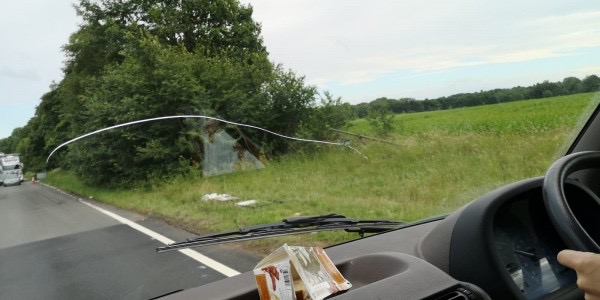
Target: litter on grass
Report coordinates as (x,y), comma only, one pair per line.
(247,203)
(218,197)
(241,203)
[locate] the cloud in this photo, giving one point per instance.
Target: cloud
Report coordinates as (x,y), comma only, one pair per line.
(32,34)
(351,42)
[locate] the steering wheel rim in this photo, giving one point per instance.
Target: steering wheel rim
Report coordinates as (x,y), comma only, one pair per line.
(561,215)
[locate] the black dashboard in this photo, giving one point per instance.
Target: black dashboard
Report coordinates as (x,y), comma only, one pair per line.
(506,243)
(527,247)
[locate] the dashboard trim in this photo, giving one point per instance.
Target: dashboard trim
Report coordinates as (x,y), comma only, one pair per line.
(474,230)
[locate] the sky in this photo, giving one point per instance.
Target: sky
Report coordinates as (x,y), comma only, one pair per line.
(357,50)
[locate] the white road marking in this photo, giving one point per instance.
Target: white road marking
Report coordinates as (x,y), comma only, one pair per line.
(209,262)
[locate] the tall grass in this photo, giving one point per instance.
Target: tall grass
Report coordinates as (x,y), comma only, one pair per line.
(438,161)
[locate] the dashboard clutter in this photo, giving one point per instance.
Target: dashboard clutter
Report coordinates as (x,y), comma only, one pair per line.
(298,273)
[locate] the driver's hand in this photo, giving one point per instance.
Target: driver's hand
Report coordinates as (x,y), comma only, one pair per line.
(587,266)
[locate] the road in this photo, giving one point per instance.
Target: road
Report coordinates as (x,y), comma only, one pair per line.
(56,246)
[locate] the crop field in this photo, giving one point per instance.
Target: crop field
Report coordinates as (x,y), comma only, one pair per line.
(435,162)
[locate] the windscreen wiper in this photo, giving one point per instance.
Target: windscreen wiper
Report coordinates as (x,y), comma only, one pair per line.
(296,225)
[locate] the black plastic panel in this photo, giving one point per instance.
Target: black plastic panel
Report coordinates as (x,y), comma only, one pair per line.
(473,256)
(385,275)
(483,226)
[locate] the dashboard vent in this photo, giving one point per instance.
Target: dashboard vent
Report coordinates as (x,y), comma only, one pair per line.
(453,296)
(459,292)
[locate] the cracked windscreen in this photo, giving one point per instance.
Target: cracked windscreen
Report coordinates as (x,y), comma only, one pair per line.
(201,117)
(429,164)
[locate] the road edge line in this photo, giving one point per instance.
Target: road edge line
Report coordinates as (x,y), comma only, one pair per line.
(195,255)
(209,262)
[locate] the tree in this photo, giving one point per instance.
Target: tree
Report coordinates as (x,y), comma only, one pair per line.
(211,26)
(287,102)
(571,85)
(591,84)
(145,58)
(157,80)
(139,59)
(11,144)
(361,110)
(330,113)
(381,119)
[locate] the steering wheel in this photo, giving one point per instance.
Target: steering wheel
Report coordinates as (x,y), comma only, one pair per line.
(562,216)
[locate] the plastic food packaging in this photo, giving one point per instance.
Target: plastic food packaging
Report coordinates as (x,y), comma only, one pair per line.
(298,273)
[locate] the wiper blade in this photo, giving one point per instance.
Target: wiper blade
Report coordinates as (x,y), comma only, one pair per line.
(289,226)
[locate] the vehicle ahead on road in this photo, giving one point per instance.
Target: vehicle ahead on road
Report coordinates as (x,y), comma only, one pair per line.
(9,164)
(11,179)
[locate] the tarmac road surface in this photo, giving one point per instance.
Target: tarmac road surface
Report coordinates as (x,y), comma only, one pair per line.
(56,246)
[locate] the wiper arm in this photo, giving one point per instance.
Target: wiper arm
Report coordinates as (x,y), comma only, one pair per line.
(296,225)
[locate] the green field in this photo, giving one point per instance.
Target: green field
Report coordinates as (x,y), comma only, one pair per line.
(439,161)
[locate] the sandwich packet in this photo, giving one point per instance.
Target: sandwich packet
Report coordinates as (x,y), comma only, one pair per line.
(298,273)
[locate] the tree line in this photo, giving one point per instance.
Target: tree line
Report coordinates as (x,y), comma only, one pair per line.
(138,59)
(568,86)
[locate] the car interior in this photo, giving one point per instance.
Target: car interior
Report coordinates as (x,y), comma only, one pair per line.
(502,245)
